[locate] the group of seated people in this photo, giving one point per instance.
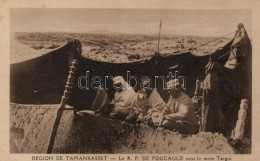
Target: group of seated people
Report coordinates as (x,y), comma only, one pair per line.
(146,106)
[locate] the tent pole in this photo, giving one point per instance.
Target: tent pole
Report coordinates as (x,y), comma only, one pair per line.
(64,101)
(159,37)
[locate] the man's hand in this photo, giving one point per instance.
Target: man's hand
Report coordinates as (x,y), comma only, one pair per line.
(196,100)
(168,117)
(161,119)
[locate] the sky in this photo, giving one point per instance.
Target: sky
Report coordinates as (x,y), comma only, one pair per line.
(138,21)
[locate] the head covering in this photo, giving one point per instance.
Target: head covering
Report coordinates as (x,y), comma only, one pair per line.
(118,79)
(172,84)
(145,82)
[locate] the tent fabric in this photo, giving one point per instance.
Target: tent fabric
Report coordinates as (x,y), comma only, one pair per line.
(101,99)
(31,127)
(185,64)
(42,80)
(226,87)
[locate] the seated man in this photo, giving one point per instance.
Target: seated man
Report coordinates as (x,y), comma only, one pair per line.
(147,101)
(179,115)
(139,106)
(123,98)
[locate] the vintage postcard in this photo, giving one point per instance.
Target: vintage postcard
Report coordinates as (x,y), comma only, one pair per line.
(118,80)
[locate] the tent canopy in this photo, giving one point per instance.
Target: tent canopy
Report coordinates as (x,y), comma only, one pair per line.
(41,80)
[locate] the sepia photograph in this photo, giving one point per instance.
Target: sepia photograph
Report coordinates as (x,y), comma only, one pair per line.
(130,81)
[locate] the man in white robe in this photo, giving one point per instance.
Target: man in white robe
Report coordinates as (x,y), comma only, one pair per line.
(123,98)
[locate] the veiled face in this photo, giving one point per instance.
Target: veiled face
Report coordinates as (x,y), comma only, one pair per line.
(147,91)
(118,87)
(143,91)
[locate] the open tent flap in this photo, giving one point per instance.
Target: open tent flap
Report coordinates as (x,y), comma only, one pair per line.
(227,84)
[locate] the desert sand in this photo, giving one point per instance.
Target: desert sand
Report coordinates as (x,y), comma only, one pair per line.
(115,48)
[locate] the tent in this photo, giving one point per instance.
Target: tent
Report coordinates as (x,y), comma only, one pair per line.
(46,80)
(42,80)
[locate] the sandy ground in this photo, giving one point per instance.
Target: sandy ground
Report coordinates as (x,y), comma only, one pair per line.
(110,48)
(21,52)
